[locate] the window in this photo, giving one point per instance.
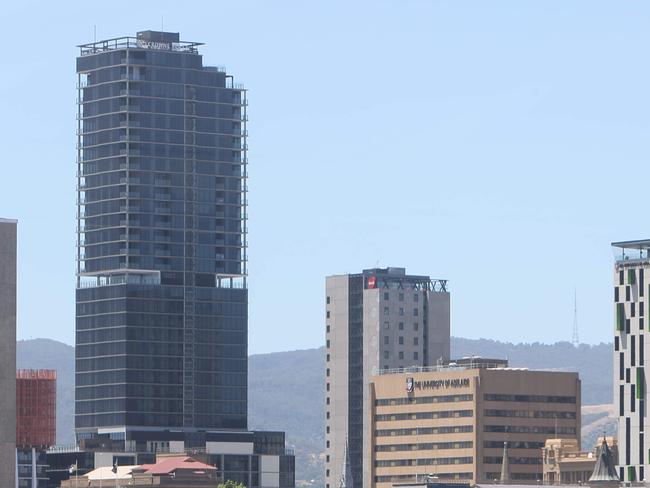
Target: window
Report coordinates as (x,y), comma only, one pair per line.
(401,326)
(401,311)
(328,314)
(327,386)
(327,300)
(401,297)
(386,354)
(327,328)
(328,358)
(401,355)
(415,341)
(386,324)
(416,312)
(386,340)
(616,294)
(385,295)
(327,401)
(416,355)
(416,326)
(386,311)
(327,372)
(401,340)
(415,297)
(327,343)
(327,444)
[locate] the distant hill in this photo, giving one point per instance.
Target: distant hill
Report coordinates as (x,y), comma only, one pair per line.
(286,389)
(49,354)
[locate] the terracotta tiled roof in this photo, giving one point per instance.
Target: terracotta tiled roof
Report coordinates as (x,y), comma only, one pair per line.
(171,464)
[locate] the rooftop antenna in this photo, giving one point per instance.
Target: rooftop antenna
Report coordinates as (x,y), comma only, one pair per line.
(95,33)
(162,23)
(574,338)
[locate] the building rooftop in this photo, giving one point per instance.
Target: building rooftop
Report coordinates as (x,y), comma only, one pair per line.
(157,40)
(631,250)
(171,464)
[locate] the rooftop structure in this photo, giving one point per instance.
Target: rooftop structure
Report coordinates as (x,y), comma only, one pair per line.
(164,41)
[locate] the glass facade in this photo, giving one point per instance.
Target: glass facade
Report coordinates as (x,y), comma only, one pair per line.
(161,298)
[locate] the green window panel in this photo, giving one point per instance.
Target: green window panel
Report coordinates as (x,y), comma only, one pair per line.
(631,473)
(640,383)
(620,316)
(631,276)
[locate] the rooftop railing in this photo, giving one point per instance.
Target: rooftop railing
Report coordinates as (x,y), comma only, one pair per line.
(135,43)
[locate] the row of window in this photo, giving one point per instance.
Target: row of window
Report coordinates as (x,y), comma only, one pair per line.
(455,429)
(400,312)
(514,445)
(424,446)
(400,340)
(383,402)
(400,296)
(537,414)
(400,355)
(497,397)
(512,460)
(401,478)
(424,462)
(443,414)
(531,429)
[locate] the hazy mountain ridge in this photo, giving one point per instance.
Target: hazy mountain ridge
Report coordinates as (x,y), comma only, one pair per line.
(286,389)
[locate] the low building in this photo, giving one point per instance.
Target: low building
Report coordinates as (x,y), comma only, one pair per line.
(258,459)
(565,463)
(451,422)
(169,471)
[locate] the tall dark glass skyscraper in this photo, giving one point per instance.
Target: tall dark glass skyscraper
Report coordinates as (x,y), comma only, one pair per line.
(161,318)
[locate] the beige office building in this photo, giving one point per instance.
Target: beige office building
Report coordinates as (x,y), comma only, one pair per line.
(451,422)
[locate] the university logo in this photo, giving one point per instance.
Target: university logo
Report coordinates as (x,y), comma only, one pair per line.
(409,385)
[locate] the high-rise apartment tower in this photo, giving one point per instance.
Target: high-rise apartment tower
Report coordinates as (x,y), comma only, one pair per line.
(378,319)
(8,352)
(631,346)
(161,319)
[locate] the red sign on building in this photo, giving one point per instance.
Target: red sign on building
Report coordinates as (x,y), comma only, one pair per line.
(372,282)
(35,407)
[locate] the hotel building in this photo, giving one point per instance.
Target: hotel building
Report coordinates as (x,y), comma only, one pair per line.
(630,343)
(451,422)
(375,320)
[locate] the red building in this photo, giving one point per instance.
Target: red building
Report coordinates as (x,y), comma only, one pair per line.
(35,408)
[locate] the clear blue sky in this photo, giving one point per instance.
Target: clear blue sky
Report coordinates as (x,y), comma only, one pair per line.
(500,145)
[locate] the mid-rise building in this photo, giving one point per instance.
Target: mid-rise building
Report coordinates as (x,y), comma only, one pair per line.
(8,230)
(451,423)
(161,297)
(376,320)
(632,264)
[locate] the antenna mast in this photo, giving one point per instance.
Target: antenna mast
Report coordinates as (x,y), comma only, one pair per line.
(574,338)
